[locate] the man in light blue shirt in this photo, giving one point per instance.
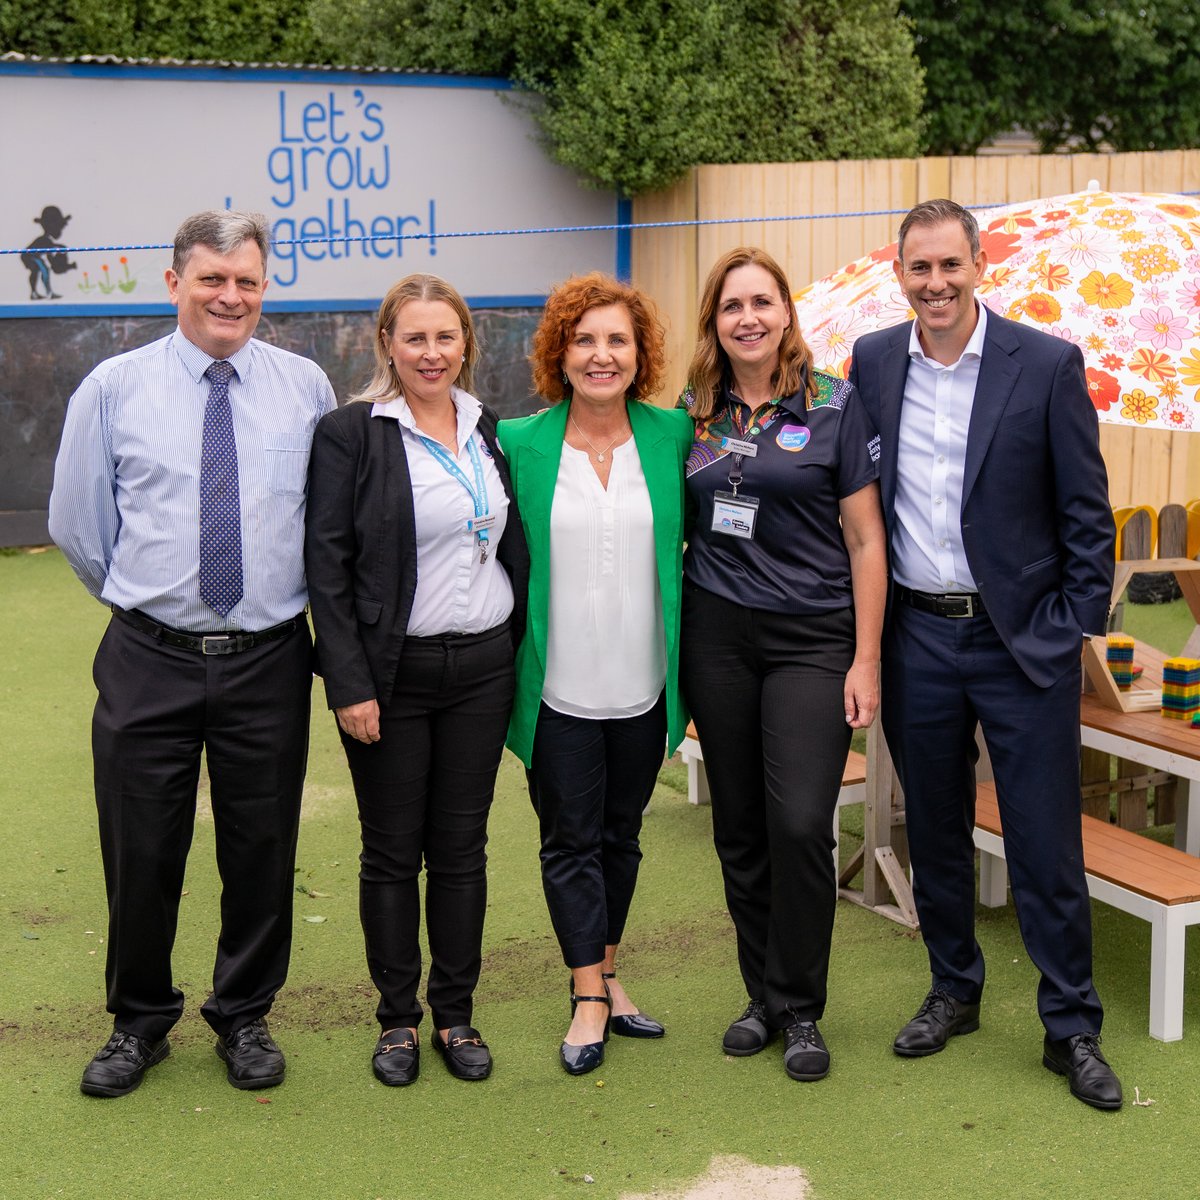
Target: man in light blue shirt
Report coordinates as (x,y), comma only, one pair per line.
(178,500)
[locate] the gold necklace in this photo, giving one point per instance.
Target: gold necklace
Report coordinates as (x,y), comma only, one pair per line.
(598,453)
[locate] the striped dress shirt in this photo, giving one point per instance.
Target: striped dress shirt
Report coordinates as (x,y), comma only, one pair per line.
(125,508)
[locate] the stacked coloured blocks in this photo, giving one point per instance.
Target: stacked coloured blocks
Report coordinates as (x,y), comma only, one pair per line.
(1181,688)
(1120,659)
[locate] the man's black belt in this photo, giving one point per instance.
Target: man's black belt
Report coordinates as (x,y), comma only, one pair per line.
(944,604)
(205,643)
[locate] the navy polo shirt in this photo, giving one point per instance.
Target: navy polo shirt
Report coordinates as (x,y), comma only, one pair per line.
(810,456)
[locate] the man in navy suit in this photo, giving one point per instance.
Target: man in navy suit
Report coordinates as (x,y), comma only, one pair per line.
(1001,535)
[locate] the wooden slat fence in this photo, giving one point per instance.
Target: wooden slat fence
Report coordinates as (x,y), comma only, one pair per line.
(1145,466)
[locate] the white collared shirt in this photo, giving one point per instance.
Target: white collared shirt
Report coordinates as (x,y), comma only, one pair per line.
(456,593)
(927,545)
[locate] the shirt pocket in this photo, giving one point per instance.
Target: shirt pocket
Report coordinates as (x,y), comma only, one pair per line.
(287,462)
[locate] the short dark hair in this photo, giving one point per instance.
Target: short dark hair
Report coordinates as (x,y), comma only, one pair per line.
(937,212)
(222,230)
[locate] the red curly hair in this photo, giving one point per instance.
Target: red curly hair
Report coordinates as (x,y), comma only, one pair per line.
(564,310)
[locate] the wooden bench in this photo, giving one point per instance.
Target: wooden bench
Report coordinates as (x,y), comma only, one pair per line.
(1145,878)
(853,789)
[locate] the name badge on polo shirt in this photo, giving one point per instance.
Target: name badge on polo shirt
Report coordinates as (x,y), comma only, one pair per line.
(734,515)
(734,446)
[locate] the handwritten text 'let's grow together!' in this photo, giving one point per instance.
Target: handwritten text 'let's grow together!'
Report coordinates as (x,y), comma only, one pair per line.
(338,158)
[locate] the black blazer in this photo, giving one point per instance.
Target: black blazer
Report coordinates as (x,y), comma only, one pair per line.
(360,550)
(1036,523)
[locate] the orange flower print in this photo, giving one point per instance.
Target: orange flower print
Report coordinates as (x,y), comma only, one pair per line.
(1152,365)
(999,246)
(1148,261)
(995,279)
(1169,389)
(1103,389)
(1053,276)
(1137,406)
(1179,210)
(1190,363)
(1112,362)
(1106,291)
(1095,342)
(1039,307)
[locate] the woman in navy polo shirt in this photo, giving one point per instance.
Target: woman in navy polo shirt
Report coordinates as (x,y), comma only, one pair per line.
(784,583)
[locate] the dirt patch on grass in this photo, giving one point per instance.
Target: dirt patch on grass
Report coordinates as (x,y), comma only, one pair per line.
(34,916)
(735,1178)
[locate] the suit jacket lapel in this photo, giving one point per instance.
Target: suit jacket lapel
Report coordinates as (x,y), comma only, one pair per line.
(893,375)
(998,375)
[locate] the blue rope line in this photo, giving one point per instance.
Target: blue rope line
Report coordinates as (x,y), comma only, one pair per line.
(630,227)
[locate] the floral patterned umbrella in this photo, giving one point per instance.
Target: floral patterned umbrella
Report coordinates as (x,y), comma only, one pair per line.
(1116,273)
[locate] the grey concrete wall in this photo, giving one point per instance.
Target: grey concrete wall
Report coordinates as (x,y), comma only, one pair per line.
(43,361)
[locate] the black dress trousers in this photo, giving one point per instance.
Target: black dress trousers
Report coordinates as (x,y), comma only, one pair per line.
(159,708)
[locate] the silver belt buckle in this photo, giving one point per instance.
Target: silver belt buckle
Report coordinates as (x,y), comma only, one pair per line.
(970,603)
(222,644)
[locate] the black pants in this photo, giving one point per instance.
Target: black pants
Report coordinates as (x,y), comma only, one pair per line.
(159,707)
(766,694)
(589,782)
(424,791)
(941,679)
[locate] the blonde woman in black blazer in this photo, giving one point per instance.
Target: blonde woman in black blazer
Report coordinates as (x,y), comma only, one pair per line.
(417,574)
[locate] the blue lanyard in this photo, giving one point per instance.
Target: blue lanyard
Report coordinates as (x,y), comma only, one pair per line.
(478,493)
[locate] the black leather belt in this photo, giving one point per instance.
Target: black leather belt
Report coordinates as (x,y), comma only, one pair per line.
(944,604)
(205,643)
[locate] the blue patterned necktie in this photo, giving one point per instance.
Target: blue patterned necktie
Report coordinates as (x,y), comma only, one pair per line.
(220,504)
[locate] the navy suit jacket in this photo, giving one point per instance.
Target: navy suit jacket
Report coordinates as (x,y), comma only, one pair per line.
(1036,523)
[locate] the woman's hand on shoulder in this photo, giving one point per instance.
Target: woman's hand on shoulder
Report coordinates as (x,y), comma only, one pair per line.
(360,721)
(861,694)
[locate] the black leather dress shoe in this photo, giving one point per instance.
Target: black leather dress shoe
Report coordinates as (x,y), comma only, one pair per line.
(579,1060)
(397,1058)
(252,1060)
(804,1054)
(939,1018)
(633,1025)
(466,1053)
(749,1033)
(1079,1058)
(637,1025)
(120,1064)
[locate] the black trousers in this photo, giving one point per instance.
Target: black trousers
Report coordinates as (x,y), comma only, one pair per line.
(159,707)
(424,791)
(942,678)
(766,694)
(589,781)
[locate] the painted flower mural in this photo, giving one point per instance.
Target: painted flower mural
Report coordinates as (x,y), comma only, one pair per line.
(1117,274)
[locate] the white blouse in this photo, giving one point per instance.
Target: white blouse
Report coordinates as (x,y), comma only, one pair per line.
(456,593)
(605,647)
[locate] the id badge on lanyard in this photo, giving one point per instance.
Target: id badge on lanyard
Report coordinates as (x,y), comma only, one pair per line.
(734,514)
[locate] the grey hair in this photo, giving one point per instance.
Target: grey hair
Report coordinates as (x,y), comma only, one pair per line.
(222,230)
(937,212)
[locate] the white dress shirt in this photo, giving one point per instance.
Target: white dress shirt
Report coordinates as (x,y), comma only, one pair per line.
(606,653)
(927,545)
(456,593)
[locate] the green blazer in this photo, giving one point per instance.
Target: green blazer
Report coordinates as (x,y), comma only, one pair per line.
(533,448)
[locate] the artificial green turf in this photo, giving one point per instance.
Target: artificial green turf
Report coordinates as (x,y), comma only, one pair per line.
(982,1119)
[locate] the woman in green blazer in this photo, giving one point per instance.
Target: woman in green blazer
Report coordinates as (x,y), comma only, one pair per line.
(599,482)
